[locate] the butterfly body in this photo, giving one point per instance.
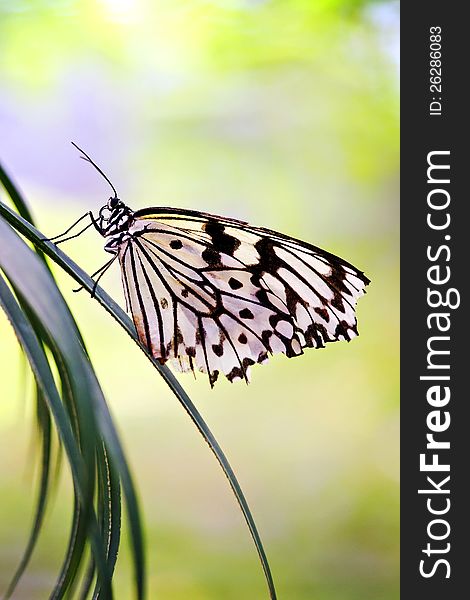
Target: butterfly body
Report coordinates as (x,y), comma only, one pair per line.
(218,295)
(113,222)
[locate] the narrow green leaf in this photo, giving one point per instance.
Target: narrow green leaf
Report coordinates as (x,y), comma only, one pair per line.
(74,553)
(39,288)
(80,520)
(46,301)
(15,195)
(45,381)
(109,503)
(112,507)
(19,202)
(110,518)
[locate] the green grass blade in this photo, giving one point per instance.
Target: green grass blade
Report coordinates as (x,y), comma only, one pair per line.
(80,521)
(16,258)
(117,313)
(45,300)
(45,380)
(15,195)
(19,202)
(74,553)
(112,507)
(109,502)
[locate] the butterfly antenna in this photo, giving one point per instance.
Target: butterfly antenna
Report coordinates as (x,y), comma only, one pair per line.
(88,159)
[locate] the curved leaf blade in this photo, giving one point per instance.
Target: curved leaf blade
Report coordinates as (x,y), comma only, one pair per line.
(45,381)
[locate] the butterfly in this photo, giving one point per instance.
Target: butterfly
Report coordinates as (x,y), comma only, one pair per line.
(217,295)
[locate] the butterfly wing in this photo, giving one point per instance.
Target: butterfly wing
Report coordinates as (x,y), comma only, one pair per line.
(218,295)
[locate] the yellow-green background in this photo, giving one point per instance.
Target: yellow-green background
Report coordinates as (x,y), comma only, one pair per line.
(281,112)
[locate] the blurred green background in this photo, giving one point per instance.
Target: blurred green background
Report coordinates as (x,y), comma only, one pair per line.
(283,113)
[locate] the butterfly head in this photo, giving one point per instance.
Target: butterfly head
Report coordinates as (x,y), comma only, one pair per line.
(114,217)
(114,206)
(111,208)
(114,202)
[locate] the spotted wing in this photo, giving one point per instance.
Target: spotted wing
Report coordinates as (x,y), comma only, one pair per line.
(218,295)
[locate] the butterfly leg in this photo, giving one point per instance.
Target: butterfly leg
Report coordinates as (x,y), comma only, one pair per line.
(56,237)
(101,271)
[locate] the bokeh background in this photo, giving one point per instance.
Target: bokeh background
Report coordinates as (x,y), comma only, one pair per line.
(280,112)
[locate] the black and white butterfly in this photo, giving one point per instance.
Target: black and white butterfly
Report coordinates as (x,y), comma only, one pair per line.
(217,295)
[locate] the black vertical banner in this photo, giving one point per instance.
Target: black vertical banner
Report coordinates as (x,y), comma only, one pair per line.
(435,328)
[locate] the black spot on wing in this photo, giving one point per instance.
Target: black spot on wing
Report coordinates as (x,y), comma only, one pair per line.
(268,261)
(343,329)
(234,283)
(212,257)
(337,301)
(236,372)
(316,335)
(262,296)
(213,377)
(246,313)
(176,244)
(222,242)
(265,337)
(324,314)
(274,320)
(292,298)
(247,362)
(218,349)
(177,338)
(336,279)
